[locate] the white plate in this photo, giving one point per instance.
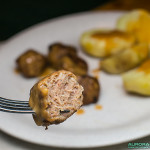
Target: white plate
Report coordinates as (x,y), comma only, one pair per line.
(123,118)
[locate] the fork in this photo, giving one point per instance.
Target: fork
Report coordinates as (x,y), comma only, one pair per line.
(15,106)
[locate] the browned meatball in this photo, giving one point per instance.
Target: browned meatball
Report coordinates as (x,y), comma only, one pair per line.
(31,63)
(91,89)
(74,64)
(55,98)
(57,51)
(65,57)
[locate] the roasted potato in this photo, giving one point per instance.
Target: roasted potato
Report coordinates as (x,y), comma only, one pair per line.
(138,80)
(31,63)
(74,64)
(57,51)
(103,43)
(136,22)
(91,89)
(125,60)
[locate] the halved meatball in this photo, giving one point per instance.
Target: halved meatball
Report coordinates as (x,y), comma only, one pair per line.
(55,98)
(31,63)
(57,51)
(91,89)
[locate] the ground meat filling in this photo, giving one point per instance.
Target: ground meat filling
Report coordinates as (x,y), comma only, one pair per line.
(62,96)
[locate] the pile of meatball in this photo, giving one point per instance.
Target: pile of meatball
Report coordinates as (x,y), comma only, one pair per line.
(33,64)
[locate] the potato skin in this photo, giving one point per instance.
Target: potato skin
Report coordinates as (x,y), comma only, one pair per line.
(104,43)
(136,22)
(138,80)
(126,59)
(91,89)
(31,63)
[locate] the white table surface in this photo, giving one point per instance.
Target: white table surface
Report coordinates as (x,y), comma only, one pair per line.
(8,142)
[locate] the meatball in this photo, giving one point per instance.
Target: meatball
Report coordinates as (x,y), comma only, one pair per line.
(91,89)
(74,64)
(55,98)
(31,63)
(65,57)
(57,51)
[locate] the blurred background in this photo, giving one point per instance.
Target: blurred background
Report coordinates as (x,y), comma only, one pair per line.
(17,15)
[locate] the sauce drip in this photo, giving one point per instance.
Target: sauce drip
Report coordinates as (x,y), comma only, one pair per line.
(16,71)
(145,67)
(96,73)
(46,72)
(98,107)
(80,112)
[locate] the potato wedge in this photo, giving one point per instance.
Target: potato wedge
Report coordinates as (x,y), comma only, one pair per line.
(136,22)
(103,43)
(126,59)
(138,80)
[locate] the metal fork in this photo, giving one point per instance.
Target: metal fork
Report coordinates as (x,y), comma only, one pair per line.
(15,106)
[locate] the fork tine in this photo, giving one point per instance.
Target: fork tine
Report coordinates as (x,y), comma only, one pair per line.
(16,111)
(14,106)
(13,101)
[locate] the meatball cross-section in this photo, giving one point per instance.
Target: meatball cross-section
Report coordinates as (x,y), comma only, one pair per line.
(55,98)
